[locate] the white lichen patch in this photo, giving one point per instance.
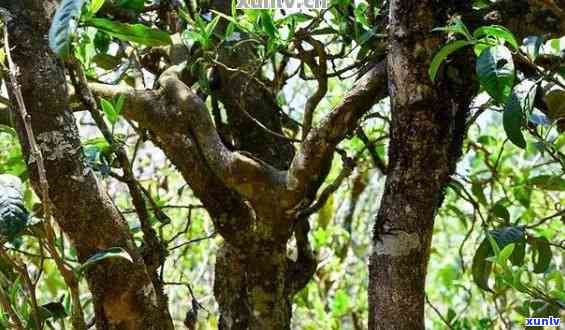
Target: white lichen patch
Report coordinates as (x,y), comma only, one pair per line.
(399,243)
(54,146)
(149,292)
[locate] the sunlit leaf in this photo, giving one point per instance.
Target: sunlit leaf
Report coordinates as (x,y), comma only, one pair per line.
(63,26)
(111,253)
(109,110)
(131,32)
(495,69)
(95,6)
(497,31)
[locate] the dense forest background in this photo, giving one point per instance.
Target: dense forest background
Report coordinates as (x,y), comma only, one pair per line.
(376,164)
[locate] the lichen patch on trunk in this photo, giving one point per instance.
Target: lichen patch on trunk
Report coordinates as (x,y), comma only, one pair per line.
(399,243)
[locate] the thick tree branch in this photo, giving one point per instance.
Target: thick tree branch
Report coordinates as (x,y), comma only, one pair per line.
(174,107)
(313,160)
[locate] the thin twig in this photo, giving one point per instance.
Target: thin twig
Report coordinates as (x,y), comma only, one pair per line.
(438,313)
(196,240)
(544,220)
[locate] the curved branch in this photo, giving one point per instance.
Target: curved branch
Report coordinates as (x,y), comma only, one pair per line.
(174,107)
(313,160)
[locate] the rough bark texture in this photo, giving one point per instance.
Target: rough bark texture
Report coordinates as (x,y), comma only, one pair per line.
(124,297)
(254,202)
(426,138)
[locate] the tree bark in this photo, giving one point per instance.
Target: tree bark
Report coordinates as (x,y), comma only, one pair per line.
(124,296)
(427,131)
(251,289)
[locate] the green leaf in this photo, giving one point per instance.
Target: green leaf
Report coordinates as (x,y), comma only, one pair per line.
(95,6)
(520,103)
(523,194)
(109,110)
(477,190)
(458,27)
(111,253)
(505,253)
(519,253)
(341,303)
(13,214)
(495,69)
(541,253)
(268,24)
(136,5)
(548,182)
(210,27)
(497,31)
(500,211)
(479,47)
(482,266)
(63,26)
(55,310)
(554,47)
(512,121)
(131,32)
(232,20)
(443,53)
(326,214)
(119,105)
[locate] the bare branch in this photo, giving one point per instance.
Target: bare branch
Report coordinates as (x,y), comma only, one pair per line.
(320,72)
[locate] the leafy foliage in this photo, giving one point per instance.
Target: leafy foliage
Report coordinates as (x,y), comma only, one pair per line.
(13,214)
(138,33)
(495,69)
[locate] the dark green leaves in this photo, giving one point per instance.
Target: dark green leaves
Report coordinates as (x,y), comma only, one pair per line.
(548,182)
(13,214)
(505,244)
(131,32)
(112,110)
(482,265)
(519,104)
(68,14)
(495,69)
(63,25)
(442,55)
(136,5)
(541,254)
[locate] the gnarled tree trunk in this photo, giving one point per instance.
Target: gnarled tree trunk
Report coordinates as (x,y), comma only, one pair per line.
(124,295)
(428,124)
